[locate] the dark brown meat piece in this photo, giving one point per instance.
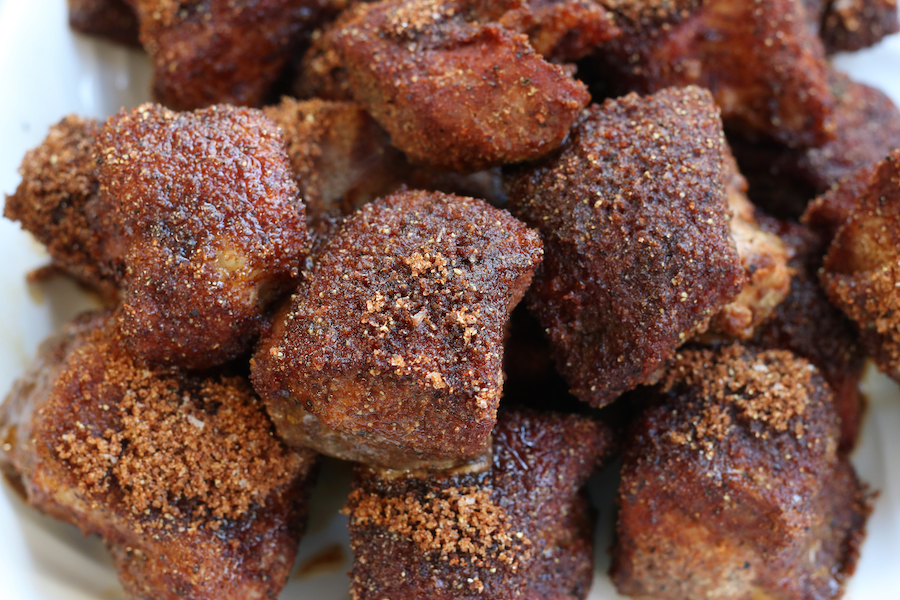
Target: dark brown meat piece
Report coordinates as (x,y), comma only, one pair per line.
(809,326)
(58,184)
(558,30)
(826,213)
(783,180)
(850,25)
(861,272)
(639,256)
(390,352)
(201,212)
(111,19)
(181,476)
(452,93)
(220,51)
(521,530)
(732,487)
(342,159)
(763,64)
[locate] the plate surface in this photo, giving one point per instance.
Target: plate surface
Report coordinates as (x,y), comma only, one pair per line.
(48,72)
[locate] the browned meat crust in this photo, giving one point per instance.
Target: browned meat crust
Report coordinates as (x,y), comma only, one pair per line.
(808,325)
(521,530)
(826,213)
(639,256)
(454,93)
(558,30)
(861,272)
(763,64)
(221,51)
(850,25)
(732,487)
(181,476)
(111,19)
(342,159)
(58,184)
(201,212)
(783,180)
(393,342)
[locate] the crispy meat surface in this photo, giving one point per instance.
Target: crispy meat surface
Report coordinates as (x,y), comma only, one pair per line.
(808,325)
(558,30)
(826,213)
(850,25)
(762,62)
(342,159)
(58,185)
(521,529)
(783,180)
(220,51)
(390,352)
(764,258)
(861,272)
(452,92)
(638,251)
(202,213)
(181,476)
(732,487)
(111,19)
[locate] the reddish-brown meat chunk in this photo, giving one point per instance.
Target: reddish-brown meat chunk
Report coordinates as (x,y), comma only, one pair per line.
(732,487)
(342,159)
(558,30)
(639,256)
(861,271)
(454,93)
(111,19)
(783,180)
(221,51)
(59,182)
(763,64)
(180,476)
(809,326)
(390,352)
(851,25)
(520,530)
(201,212)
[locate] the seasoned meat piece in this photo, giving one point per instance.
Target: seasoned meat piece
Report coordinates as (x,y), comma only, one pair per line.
(558,30)
(763,64)
(111,19)
(732,487)
(342,159)
(861,272)
(58,184)
(764,258)
(220,51)
(851,25)
(809,326)
(520,530)
(826,213)
(390,352)
(783,180)
(201,211)
(639,256)
(452,93)
(180,476)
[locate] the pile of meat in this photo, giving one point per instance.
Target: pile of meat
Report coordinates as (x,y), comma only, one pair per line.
(479,249)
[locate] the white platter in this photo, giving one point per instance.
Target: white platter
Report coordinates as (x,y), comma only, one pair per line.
(47,72)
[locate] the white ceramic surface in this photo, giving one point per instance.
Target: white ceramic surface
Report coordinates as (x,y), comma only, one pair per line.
(47,72)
